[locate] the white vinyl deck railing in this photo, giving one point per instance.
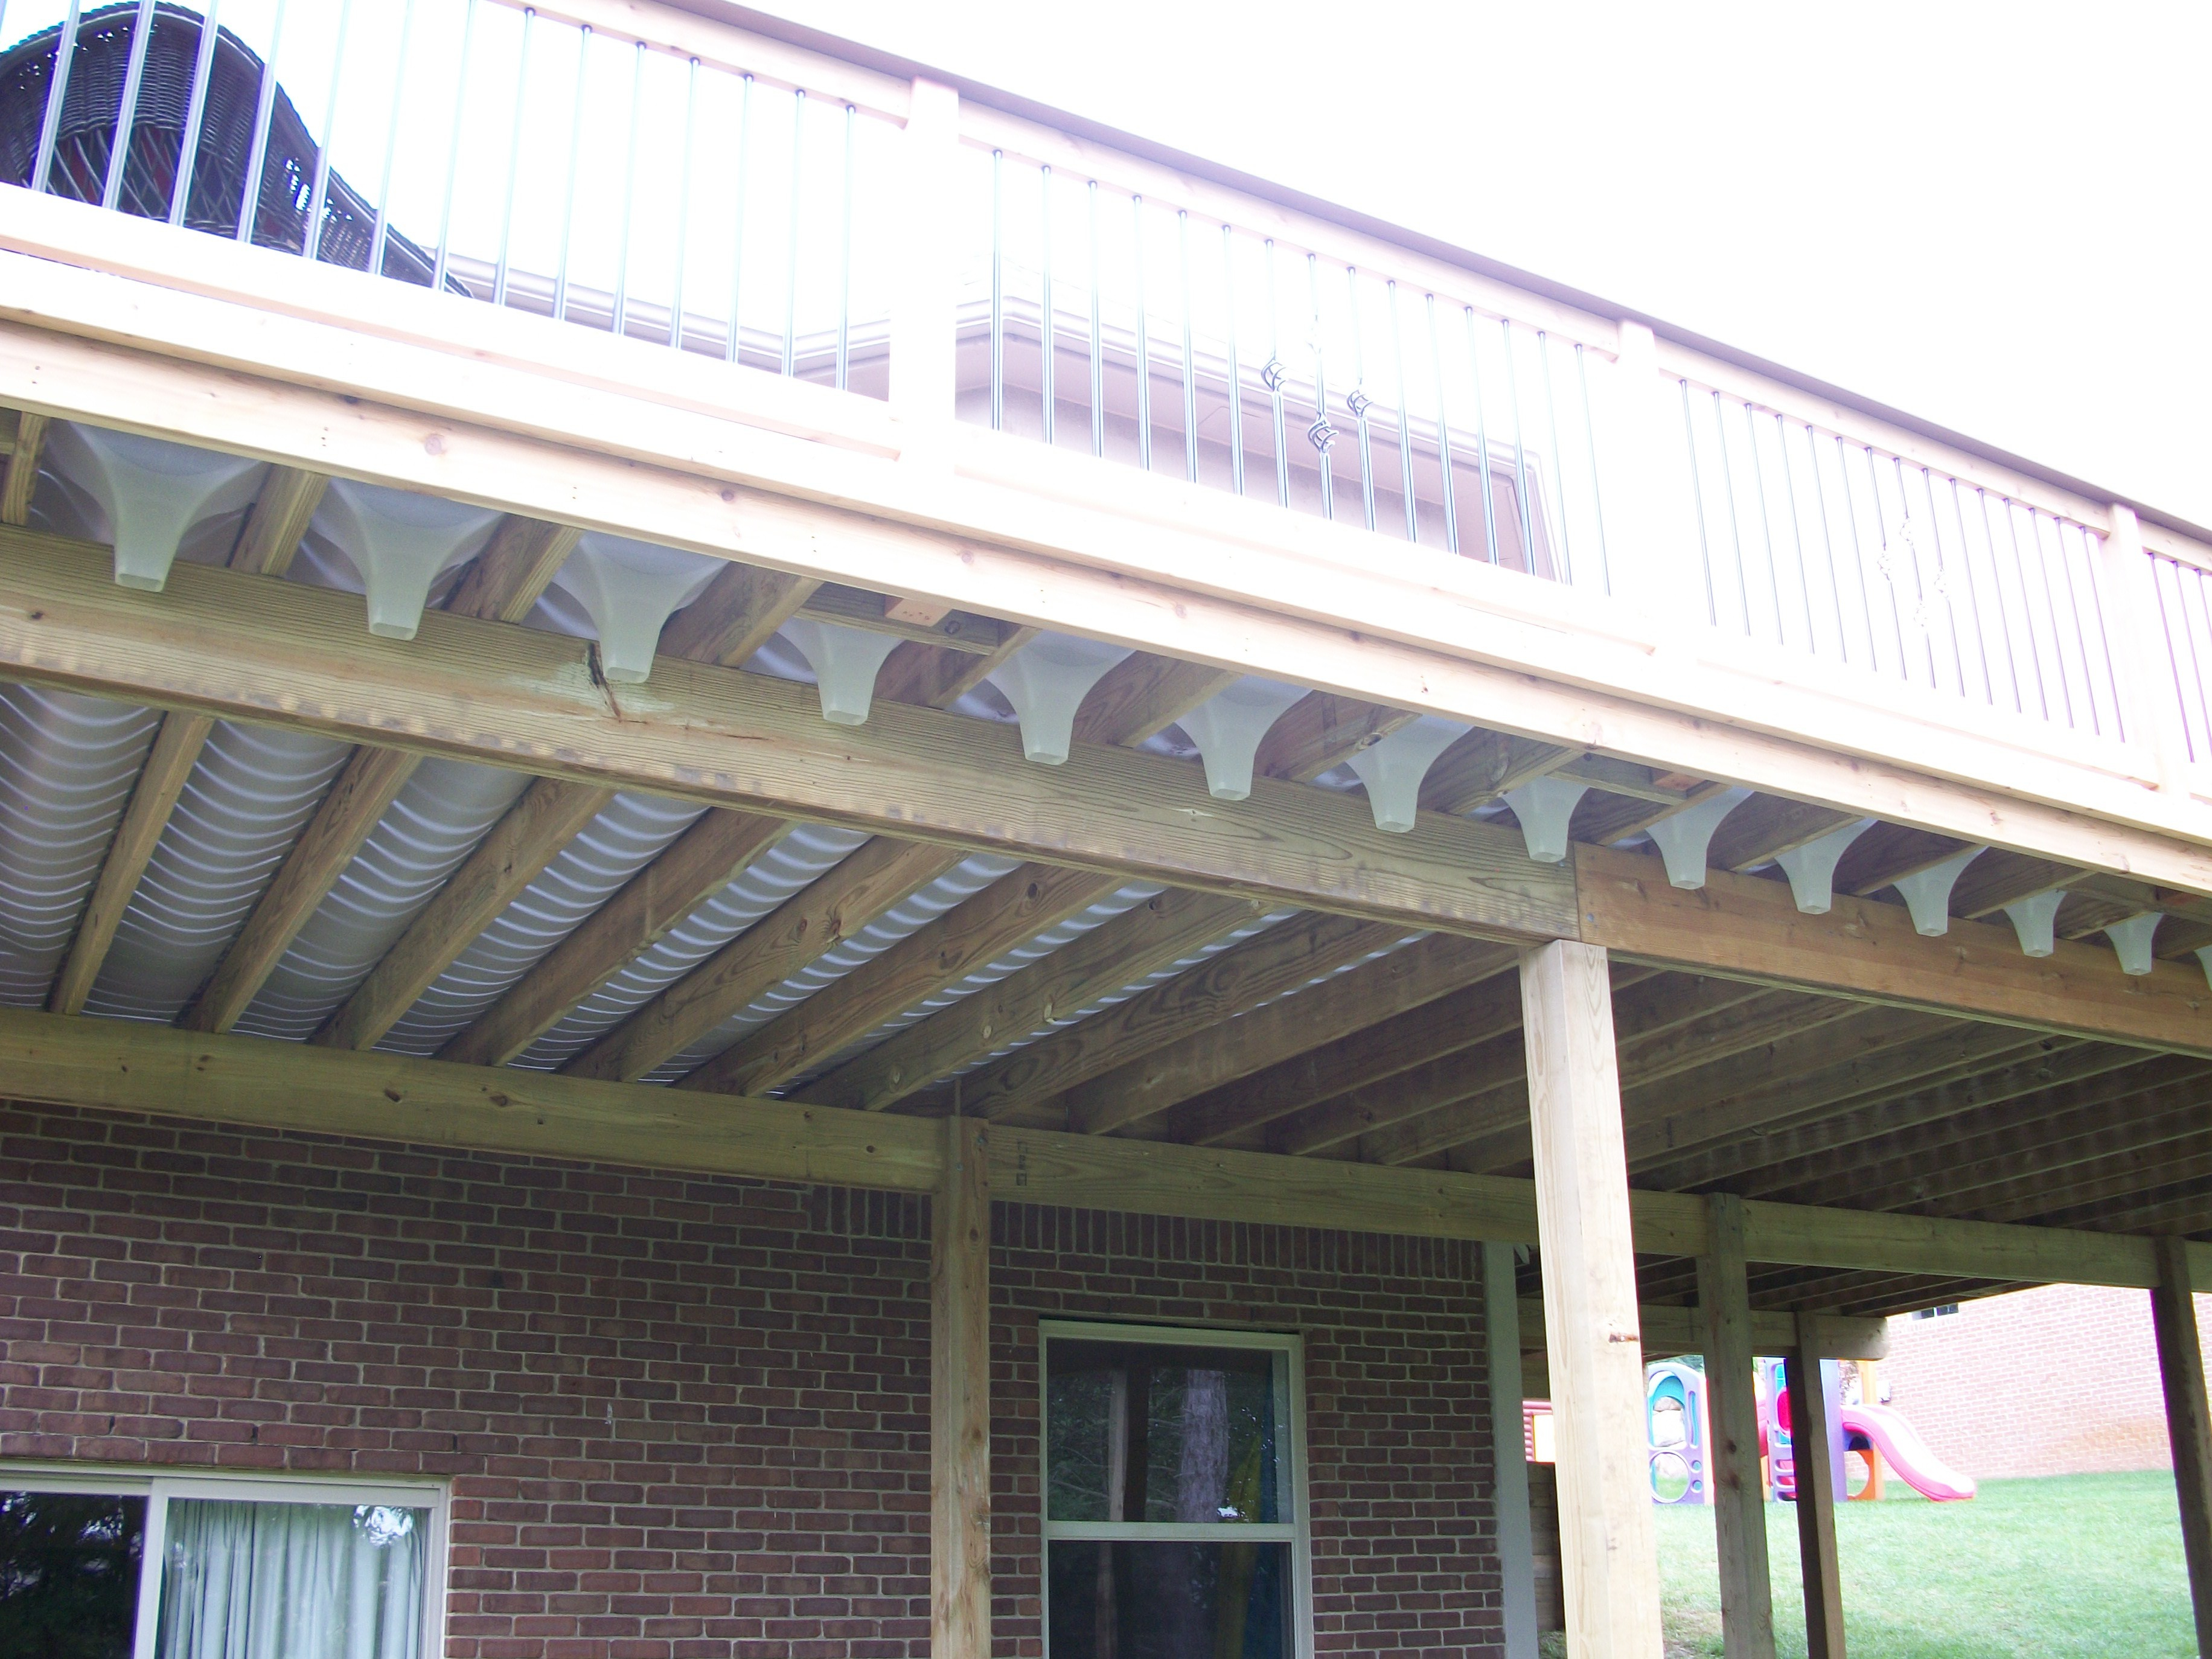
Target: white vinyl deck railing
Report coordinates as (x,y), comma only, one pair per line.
(626,168)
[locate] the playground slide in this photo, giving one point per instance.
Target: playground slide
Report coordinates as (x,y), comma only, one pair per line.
(1902,1448)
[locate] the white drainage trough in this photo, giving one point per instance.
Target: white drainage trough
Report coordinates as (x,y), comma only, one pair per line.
(629,589)
(1393,769)
(1683,837)
(1227,727)
(2131,940)
(2035,918)
(1927,893)
(845,661)
(1545,806)
(1812,868)
(400,543)
(153,493)
(1047,681)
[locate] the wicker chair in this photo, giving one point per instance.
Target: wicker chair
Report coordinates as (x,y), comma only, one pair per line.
(85,139)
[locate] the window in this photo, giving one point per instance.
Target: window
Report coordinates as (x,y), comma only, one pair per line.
(126,1565)
(1946,1309)
(1175,1508)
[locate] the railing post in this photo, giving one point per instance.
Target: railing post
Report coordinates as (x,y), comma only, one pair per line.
(2188,1420)
(1658,568)
(1732,1446)
(960,1397)
(2141,655)
(927,278)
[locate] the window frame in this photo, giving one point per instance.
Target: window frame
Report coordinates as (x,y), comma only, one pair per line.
(157,1488)
(1288,1349)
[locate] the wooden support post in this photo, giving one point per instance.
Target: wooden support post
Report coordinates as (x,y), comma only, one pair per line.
(960,1398)
(1608,1548)
(1516,1543)
(2188,1420)
(1816,1498)
(1732,1451)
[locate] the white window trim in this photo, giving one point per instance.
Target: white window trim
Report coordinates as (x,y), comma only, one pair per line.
(1291,1435)
(157,1488)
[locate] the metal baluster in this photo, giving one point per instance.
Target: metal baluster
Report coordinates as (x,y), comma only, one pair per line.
(312,243)
(630,192)
(732,348)
(1235,372)
(2026,598)
(998,292)
(2050,609)
(845,262)
(1597,494)
(1481,436)
(790,261)
(1858,550)
(1049,325)
(1521,458)
(188,146)
(1896,612)
(1919,587)
(1559,455)
(249,201)
(1973,595)
(514,158)
(383,223)
(57,94)
(1827,542)
(126,115)
(1796,535)
(683,206)
(1097,344)
(569,194)
(1320,433)
(1144,332)
(1943,574)
(1736,522)
(1449,486)
(2081,637)
(1765,526)
(453,150)
(1275,385)
(1996,579)
(1359,402)
(1405,429)
(1698,495)
(1190,355)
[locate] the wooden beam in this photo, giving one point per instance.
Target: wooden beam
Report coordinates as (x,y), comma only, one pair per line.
(1285,957)
(975,932)
(2188,1420)
(1741,924)
(741,609)
(1766,826)
(960,1397)
(962,631)
(293,655)
(1669,1329)
(169,763)
(126,1066)
(1484,765)
(529,835)
(830,909)
(1143,694)
(371,780)
(1735,1486)
(707,857)
(503,583)
(1610,1559)
(1503,1341)
(21,475)
(930,676)
(1816,1506)
(278,519)
(1131,947)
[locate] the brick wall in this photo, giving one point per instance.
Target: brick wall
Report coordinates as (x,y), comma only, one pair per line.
(2059,1380)
(685,1416)
(1398,1452)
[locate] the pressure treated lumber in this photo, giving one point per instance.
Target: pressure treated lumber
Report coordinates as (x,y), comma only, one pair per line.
(278,519)
(528,837)
(741,609)
(1143,694)
(1816,1504)
(1669,1329)
(1744,925)
(1502,1343)
(960,1397)
(2188,1418)
(1735,1486)
(21,476)
(128,1065)
(1609,1550)
(705,859)
(288,654)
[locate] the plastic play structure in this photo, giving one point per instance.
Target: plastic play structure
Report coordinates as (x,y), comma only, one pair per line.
(1678,1434)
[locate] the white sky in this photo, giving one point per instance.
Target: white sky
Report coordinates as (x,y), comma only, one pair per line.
(1998,216)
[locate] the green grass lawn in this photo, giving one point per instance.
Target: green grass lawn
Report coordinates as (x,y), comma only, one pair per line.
(2072,1567)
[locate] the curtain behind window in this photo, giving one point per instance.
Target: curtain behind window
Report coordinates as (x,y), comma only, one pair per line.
(292,1581)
